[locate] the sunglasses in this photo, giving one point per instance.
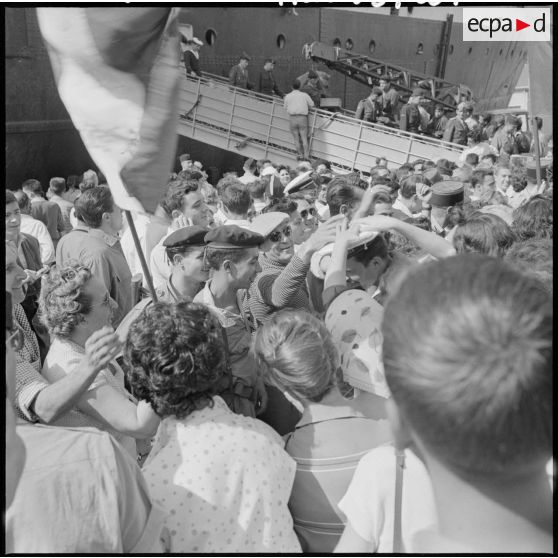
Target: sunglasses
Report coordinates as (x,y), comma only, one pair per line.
(16,340)
(276,236)
(305,212)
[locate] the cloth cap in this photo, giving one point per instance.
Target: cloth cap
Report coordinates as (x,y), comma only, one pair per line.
(418,92)
(447,193)
(320,259)
(196,41)
(186,236)
(266,223)
(312,74)
(302,181)
(184,157)
(232,236)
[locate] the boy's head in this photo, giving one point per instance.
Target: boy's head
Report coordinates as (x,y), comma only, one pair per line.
(468,358)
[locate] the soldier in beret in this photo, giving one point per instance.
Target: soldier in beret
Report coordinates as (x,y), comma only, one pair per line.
(184,250)
(232,254)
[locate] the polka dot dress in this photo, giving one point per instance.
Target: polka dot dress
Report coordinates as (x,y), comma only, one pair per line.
(224,480)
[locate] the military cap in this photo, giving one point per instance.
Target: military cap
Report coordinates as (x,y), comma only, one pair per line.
(184,157)
(244,56)
(186,236)
(302,181)
(230,237)
(447,193)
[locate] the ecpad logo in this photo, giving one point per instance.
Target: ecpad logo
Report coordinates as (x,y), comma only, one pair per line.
(506,24)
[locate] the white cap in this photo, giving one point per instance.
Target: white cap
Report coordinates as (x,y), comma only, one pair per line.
(196,41)
(266,223)
(320,259)
(301,181)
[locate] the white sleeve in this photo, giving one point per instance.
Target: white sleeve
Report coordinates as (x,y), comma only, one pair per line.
(45,243)
(363,503)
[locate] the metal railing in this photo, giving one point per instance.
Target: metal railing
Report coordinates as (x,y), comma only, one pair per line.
(257,125)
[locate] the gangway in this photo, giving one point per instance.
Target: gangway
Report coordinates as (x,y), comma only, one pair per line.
(257,126)
(368,70)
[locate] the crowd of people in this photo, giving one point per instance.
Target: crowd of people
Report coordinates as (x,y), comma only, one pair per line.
(326,362)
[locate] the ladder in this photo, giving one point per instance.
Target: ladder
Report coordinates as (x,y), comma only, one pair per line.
(256,125)
(368,71)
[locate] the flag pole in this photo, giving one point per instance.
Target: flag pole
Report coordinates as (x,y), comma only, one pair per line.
(141,255)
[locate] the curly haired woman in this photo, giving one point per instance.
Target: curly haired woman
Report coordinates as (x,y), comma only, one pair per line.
(224,479)
(73,306)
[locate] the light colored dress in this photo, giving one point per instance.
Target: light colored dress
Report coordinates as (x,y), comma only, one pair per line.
(224,480)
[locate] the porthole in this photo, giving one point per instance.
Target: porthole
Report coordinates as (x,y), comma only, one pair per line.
(420,48)
(281,41)
(349,44)
(371,46)
(337,42)
(210,36)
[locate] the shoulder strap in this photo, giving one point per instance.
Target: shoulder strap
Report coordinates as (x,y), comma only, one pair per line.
(397,535)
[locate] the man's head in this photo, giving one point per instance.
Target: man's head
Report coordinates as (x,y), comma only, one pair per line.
(472,384)
(385,83)
(57,185)
(511,124)
(367,262)
(296,84)
(24,202)
(376,93)
(472,159)
(408,191)
(186,162)
(488,160)
(233,253)
(250,165)
(269,64)
(342,197)
(438,111)
(96,208)
(502,178)
(236,200)
(13,217)
(32,188)
(244,59)
(89,180)
(185,250)
(184,203)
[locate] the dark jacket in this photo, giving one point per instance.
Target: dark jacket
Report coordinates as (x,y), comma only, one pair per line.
(239,78)
(192,63)
(268,85)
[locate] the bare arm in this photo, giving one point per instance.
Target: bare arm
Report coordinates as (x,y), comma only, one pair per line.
(59,397)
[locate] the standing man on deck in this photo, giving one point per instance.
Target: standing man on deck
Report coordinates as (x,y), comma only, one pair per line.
(238,76)
(267,83)
(457,130)
(192,57)
(410,120)
(297,104)
(390,102)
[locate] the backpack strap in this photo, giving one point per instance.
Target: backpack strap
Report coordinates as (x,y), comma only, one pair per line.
(397,534)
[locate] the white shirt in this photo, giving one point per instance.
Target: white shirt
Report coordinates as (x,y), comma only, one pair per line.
(224,480)
(398,204)
(297,103)
(39,230)
(248,178)
(515,199)
(158,262)
(369,503)
(129,248)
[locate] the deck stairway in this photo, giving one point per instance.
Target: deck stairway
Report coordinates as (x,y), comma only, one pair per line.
(368,70)
(257,126)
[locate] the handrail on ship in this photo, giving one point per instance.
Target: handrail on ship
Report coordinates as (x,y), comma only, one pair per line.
(257,125)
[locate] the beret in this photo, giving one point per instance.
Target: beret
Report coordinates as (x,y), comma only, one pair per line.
(186,236)
(447,193)
(184,157)
(299,183)
(266,223)
(230,237)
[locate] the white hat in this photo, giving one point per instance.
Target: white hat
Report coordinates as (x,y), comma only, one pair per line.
(266,223)
(320,259)
(268,170)
(301,181)
(196,41)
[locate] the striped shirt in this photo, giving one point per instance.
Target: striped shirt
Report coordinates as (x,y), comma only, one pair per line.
(278,286)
